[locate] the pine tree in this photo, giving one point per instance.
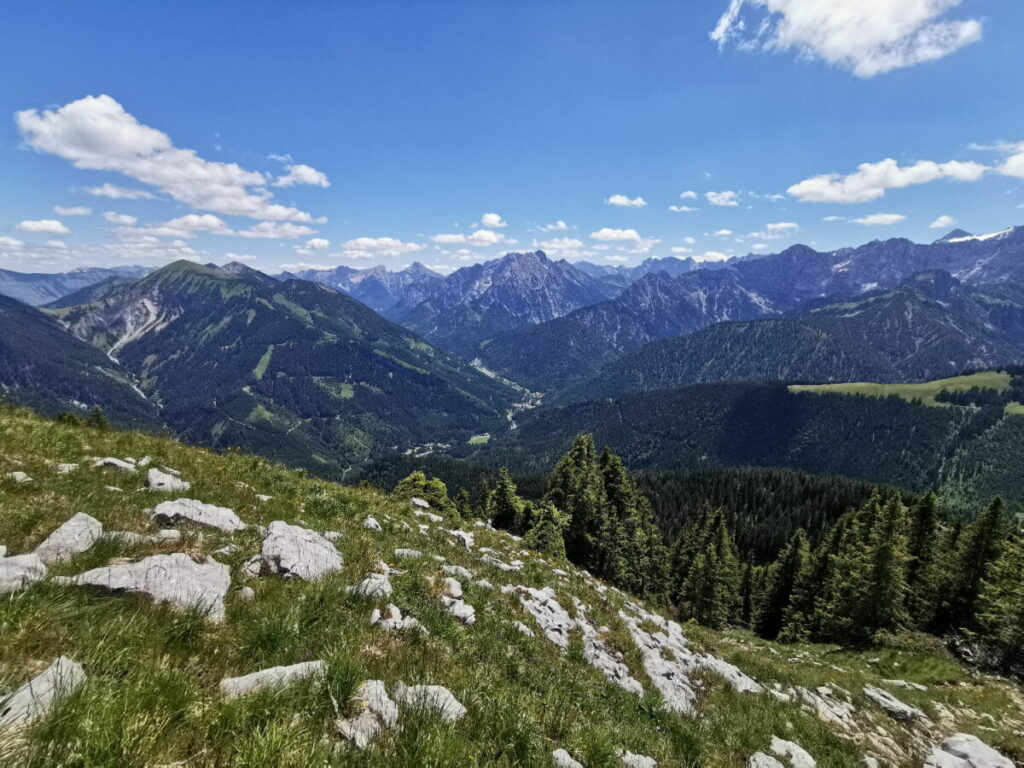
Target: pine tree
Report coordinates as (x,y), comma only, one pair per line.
(504,507)
(779,584)
(923,566)
(545,533)
(97,419)
(1001,604)
(801,618)
(709,592)
(979,547)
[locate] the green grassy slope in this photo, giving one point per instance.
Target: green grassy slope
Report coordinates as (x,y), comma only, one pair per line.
(923,391)
(151,696)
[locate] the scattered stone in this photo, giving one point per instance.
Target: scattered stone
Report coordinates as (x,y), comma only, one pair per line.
(440,558)
(499,564)
(333,536)
(457,570)
(463,538)
(407,553)
(962,750)
(798,756)
(424,529)
(110,461)
(226,551)
(247,593)
(559,572)
(253,567)
(906,684)
(895,708)
(165,483)
(827,707)
(74,537)
(391,620)
(371,523)
(144,462)
(460,609)
(429,515)
(170,471)
(175,578)
(375,585)
(553,620)
(262,497)
(65,469)
(523,629)
(192,511)
(483,584)
(376,712)
(17,572)
(19,477)
(170,536)
(452,587)
(436,698)
(601,658)
(299,552)
(562,759)
(416,503)
(37,697)
(270,679)
(761,760)
(113,489)
(633,760)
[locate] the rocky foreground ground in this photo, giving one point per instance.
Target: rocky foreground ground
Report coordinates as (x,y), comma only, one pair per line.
(162,605)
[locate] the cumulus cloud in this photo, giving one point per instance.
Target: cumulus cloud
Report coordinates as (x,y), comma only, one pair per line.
(563,247)
(943,222)
(726,198)
(607,234)
(479,238)
(682,208)
(689,195)
(77,210)
(866,37)
(723,233)
(493,220)
(118,193)
(96,133)
(622,201)
(1014,164)
(777,230)
(186,226)
(302,174)
(49,226)
(10,242)
(558,226)
(368,247)
(284,230)
(871,180)
(616,258)
(881,219)
(120,218)
(318,243)
(711,256)
(300,266)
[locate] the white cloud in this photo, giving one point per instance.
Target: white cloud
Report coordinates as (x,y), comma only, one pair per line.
(616,258)
(871,180)
(680,249)
(726,198)
(302,174)
(881,219)
(50,226)
(120,218)
(759,246)
(9,242)
(479,238)
(96,133)
(444,269)
(712,256)
(56,244)
(682,208)
(318,243)
(77,210)
(558,226)
(607,234)
(867,37)
(623,201)
(298,267)
(118,193)
(689,195)
(723,233)
(777,230)
(689,240)
(241,257)
(834,218)
(368,247)
(1014,164)
(563,247)
(942,222)
(493,220)
(276,229)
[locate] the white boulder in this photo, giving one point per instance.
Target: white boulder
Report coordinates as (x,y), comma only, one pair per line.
(74,537)
(272,678)
(17,572)
(435,698)
(37,697)
(298,552)
(962,750)
(164,482)
(192,511)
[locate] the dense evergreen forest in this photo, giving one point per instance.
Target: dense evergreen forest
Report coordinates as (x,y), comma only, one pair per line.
(855,563)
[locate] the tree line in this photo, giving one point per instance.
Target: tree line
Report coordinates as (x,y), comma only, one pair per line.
(892,563)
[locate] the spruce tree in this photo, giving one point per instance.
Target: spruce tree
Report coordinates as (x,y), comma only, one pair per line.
(98,419)
(709,592)
(779,583)
(979,547)
(576,487)
(430,489)
(504,505)
(1001,604)
(923,566)
(545,533)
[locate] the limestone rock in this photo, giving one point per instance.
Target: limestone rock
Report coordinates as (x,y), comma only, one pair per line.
(375,585)
(299,552)
(407,553)
(761,760)
(376,711)
(263,498)
(562,759)
(192,511)
(798,756)
(429,515)
(110,461)
(895,708)
(435,698)
(64,469)
(452,587)
(17,572)
(247,593)
(19,477)
(272,678)
(633,760)
(175,578)
(417,503)
(523,629)
(601,658)
(163,482)
(463,538)
(962,750)
(391,620)
(75,536)
(37,697)
(553,620)
(371,523)
(460,609)
(483,584)
(457,570)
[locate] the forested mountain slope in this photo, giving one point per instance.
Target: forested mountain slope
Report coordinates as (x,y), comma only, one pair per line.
(292,370)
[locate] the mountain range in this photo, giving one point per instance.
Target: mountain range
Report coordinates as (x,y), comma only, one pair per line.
(38,288)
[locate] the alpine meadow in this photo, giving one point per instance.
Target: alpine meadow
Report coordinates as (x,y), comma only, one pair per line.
(530,385)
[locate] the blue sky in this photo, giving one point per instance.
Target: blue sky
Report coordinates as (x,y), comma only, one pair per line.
(382,132)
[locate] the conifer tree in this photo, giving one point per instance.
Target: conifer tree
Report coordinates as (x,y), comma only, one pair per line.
(505,508)
(545,533)
(576,487)
(924,564)
(1001,604)
(780,581)
(801,618)
(98,419)
(430,489)
(979,547)
(709,591)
